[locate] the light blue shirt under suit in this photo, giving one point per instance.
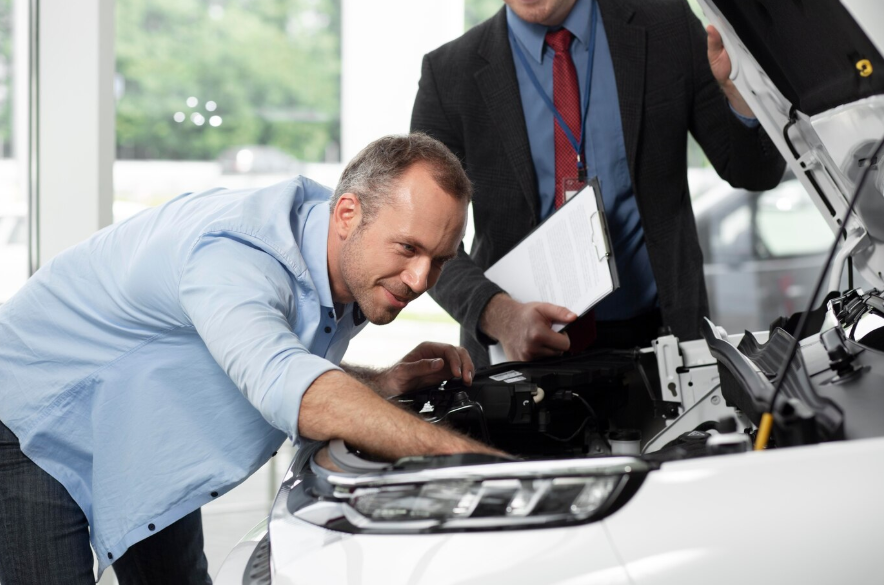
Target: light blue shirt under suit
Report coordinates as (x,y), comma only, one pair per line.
(161,362)
(605,149)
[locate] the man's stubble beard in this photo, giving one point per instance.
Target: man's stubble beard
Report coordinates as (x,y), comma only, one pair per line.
(357,282)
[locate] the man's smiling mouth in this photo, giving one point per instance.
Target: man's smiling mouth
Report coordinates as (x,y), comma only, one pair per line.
(399,301)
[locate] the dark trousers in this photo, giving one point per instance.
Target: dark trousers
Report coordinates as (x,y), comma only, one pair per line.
(44,536)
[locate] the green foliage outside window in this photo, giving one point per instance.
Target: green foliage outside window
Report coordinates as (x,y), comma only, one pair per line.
(476,11)
(6,81)
(271,66)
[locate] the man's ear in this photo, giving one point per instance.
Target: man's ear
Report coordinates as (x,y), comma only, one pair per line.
(347,215)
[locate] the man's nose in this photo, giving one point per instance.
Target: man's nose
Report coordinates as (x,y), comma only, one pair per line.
(417,275)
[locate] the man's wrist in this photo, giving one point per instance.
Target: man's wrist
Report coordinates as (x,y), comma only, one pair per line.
(735,99)
(492,318)
(371,377)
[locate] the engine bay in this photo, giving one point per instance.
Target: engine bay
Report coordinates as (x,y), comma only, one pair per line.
(552,408)
(675,400)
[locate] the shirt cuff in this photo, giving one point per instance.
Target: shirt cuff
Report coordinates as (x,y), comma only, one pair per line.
(281,405)
(746,120)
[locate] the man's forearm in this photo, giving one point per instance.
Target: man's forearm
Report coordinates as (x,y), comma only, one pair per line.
(369,376)
(337,406)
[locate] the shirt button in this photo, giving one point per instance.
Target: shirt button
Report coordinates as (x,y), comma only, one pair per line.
(151,527)
(328,329)
(214,494)
(110,556)
(331,314)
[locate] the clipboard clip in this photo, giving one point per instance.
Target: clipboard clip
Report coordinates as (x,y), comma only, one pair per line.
(599,240)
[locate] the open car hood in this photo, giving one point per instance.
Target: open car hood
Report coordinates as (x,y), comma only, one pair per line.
(813,73)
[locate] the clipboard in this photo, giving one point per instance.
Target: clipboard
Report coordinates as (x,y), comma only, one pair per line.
(567,260)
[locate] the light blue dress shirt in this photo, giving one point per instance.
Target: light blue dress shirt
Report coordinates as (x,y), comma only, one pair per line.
(162,361)
(605,150)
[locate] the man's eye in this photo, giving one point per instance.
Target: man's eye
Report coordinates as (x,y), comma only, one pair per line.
(408,248)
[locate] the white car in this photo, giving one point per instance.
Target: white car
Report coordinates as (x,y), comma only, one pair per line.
(694,504)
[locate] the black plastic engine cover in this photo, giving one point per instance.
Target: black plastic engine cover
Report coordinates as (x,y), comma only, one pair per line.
(550,407)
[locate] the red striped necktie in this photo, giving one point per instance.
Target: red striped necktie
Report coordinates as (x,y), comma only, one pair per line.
(566,98)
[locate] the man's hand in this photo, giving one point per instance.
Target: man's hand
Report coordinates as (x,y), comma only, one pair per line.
(720,63)
(428,363)
(525,329)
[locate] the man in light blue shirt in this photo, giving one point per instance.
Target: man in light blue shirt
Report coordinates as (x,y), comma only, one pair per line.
(158,364)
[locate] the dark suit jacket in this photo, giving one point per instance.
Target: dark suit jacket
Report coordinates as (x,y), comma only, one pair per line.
(468,98)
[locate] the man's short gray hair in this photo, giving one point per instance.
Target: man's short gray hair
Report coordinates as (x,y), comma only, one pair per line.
(373,173)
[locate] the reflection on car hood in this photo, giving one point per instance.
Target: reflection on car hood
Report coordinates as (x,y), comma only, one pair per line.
(813,73)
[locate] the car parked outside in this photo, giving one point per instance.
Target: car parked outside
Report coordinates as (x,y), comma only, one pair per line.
(762,252)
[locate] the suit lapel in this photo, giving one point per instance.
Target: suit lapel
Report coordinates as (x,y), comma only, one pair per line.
(500,89)
(627,43)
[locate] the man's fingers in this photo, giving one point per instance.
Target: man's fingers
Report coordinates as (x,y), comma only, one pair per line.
(543,342)
(424,350)
(534,338)
(460,363)
(454,361)
(555,313)
(546,352)
(555,345)
(433,365)
(713,41)
(430,359)
(558,342)
(466,365)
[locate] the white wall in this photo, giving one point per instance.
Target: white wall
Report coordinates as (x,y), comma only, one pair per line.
(76,139)
(383,43)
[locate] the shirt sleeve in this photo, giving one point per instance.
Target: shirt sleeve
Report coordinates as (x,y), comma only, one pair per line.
(240,299)
(746,120)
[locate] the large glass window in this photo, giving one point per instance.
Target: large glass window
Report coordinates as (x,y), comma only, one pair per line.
(789,224)
(236,93)
(14,147)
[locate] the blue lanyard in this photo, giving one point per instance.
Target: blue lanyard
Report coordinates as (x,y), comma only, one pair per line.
(578,146)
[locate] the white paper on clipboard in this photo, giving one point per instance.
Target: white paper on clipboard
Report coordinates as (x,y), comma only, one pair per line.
(567,260)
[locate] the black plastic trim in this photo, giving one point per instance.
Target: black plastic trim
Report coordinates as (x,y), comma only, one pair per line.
(258,568)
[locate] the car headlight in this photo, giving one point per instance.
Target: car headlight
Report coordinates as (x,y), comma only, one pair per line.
(478,497)
(513,499)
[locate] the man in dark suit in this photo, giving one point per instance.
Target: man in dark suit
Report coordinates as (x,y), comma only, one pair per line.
(651,77)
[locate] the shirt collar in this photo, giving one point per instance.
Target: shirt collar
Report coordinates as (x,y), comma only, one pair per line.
(531,35)
(314,250)
(352,309)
